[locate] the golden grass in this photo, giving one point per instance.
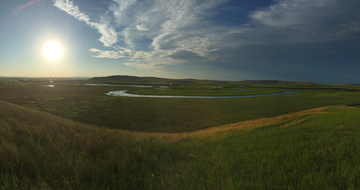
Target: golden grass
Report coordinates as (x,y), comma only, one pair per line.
(46,151)
(286,120)
(222,131)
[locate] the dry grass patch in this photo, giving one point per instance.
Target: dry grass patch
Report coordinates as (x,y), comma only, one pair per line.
(46,119)
(286,120)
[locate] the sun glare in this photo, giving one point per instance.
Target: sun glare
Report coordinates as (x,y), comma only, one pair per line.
(52,50)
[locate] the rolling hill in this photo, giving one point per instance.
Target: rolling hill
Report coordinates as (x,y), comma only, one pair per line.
(314,149)
(135,79)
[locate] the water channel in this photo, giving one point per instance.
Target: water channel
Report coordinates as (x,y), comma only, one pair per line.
(124,94)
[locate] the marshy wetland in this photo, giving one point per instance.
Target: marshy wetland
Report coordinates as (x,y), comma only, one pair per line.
(74,136)
(123,93)
(87,102)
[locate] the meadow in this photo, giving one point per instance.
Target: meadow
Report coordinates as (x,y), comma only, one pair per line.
(89,104)
(314,149)
(73,136)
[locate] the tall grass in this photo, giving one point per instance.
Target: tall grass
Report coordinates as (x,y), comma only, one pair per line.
(316,149)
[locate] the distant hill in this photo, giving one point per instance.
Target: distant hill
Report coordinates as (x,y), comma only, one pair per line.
(277,82)
(135,79)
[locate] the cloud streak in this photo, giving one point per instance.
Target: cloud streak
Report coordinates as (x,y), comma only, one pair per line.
(156,33)
(25,5)
(108,33)
(110,54)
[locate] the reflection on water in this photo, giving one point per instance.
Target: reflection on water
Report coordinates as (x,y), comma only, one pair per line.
(242,90)
(123,93)
(50,86)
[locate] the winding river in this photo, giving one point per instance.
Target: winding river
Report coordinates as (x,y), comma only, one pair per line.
(124,94)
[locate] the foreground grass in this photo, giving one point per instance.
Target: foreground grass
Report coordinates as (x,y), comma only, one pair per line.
(316,149)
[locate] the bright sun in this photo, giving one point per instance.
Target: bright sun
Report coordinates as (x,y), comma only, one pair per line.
(52,50)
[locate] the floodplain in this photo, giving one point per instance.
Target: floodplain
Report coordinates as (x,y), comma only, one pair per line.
(75,99)
(74,136)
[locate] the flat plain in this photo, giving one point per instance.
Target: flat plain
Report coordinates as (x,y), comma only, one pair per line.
(89,104)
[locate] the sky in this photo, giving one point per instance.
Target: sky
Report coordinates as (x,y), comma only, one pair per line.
(294,40)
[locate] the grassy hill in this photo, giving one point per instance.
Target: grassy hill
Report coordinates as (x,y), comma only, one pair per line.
(135,79)
(278,82)
(314,149)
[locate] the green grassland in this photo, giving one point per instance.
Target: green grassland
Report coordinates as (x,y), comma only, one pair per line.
(73,136)
(89,104)
(316,149)
(200,90)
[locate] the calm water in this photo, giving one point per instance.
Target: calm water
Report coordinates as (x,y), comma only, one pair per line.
(50,86)
(123,93)
(137,86)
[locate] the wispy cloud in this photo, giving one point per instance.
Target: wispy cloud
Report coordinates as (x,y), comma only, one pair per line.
(155,33)
(142,27)
(25,5)
(313,19)
(292,13)
(108,33)
(110,54)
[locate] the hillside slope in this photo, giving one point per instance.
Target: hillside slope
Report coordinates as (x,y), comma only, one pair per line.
(314,149)
(136,79)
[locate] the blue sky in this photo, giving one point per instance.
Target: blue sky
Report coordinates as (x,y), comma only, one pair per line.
(302,40)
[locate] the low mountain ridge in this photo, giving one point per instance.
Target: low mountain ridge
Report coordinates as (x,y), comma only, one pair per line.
(126,78)
(136,79)
(277,82)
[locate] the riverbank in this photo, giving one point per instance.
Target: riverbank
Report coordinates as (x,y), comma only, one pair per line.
(124,94)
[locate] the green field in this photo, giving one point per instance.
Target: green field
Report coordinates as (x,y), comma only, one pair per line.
(317,149)
(89,104)
(73,136)
(201,90)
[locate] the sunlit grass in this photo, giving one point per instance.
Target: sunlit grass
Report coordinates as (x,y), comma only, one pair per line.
(315,149)
(201,90)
